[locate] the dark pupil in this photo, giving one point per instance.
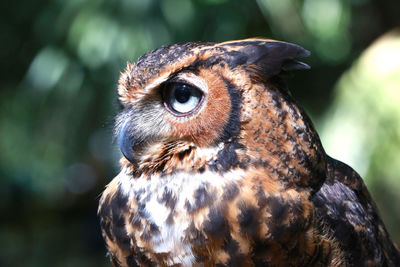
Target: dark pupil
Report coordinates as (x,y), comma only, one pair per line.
(182,93)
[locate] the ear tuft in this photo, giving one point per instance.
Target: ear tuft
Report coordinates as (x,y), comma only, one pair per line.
(294,64)
(270,57)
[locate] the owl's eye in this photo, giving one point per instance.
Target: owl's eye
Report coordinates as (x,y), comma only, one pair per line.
(181,99)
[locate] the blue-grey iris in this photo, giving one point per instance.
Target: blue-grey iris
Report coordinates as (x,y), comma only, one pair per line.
(181,98)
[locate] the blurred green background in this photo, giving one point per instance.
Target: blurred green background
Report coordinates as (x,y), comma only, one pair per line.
(60,62)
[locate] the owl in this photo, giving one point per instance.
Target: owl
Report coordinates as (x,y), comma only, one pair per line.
(221,167)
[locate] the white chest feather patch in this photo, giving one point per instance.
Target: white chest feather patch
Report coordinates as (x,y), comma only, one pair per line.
(177,194)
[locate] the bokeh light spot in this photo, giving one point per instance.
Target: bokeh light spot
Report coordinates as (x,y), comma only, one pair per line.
(47,68)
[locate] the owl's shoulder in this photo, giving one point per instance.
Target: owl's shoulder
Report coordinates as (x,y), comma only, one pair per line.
(346,208)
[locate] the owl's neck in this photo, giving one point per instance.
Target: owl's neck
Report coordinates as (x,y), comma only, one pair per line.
(277,135)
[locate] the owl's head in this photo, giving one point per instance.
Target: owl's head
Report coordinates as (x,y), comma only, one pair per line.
(195,105)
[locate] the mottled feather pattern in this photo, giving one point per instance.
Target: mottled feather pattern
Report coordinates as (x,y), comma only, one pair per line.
(241,178)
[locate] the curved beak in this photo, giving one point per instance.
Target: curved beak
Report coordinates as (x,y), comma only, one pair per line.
(126,140)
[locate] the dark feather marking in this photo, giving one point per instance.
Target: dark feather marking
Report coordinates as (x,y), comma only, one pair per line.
(139,193)
(216,225)
(280,211)
(142,210)
(181,155)
(119,232)
(135,221)
(248,219)
(227,157)
(212,166)
(130,260)
(245,163)
(105,210)
(276,98)
(150,231)
(262,199)
(106,226)
(230,191)
(142,259)
(260,250)
(201,169)
(232,127)
(202,198)
(105,217)
(210,62)
(170,218)
(114,261)
(317,255)
(154,228)
(235,58)
(197,237)
(278,208)
(236,258)
(118,205)
(168,199)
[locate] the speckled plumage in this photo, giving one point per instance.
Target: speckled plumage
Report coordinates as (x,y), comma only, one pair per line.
(242,179)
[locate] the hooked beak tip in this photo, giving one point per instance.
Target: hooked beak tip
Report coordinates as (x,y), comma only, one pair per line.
(126,141)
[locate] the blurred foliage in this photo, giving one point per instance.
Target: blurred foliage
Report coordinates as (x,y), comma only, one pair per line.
(362,126)
(60,62)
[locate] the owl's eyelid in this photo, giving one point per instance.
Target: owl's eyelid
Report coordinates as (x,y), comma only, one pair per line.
(190,79)
(179,80)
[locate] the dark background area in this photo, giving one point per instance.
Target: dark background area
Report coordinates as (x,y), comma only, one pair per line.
(60,62)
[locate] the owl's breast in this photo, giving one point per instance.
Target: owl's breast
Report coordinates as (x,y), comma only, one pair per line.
(209,217)
(164,217)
